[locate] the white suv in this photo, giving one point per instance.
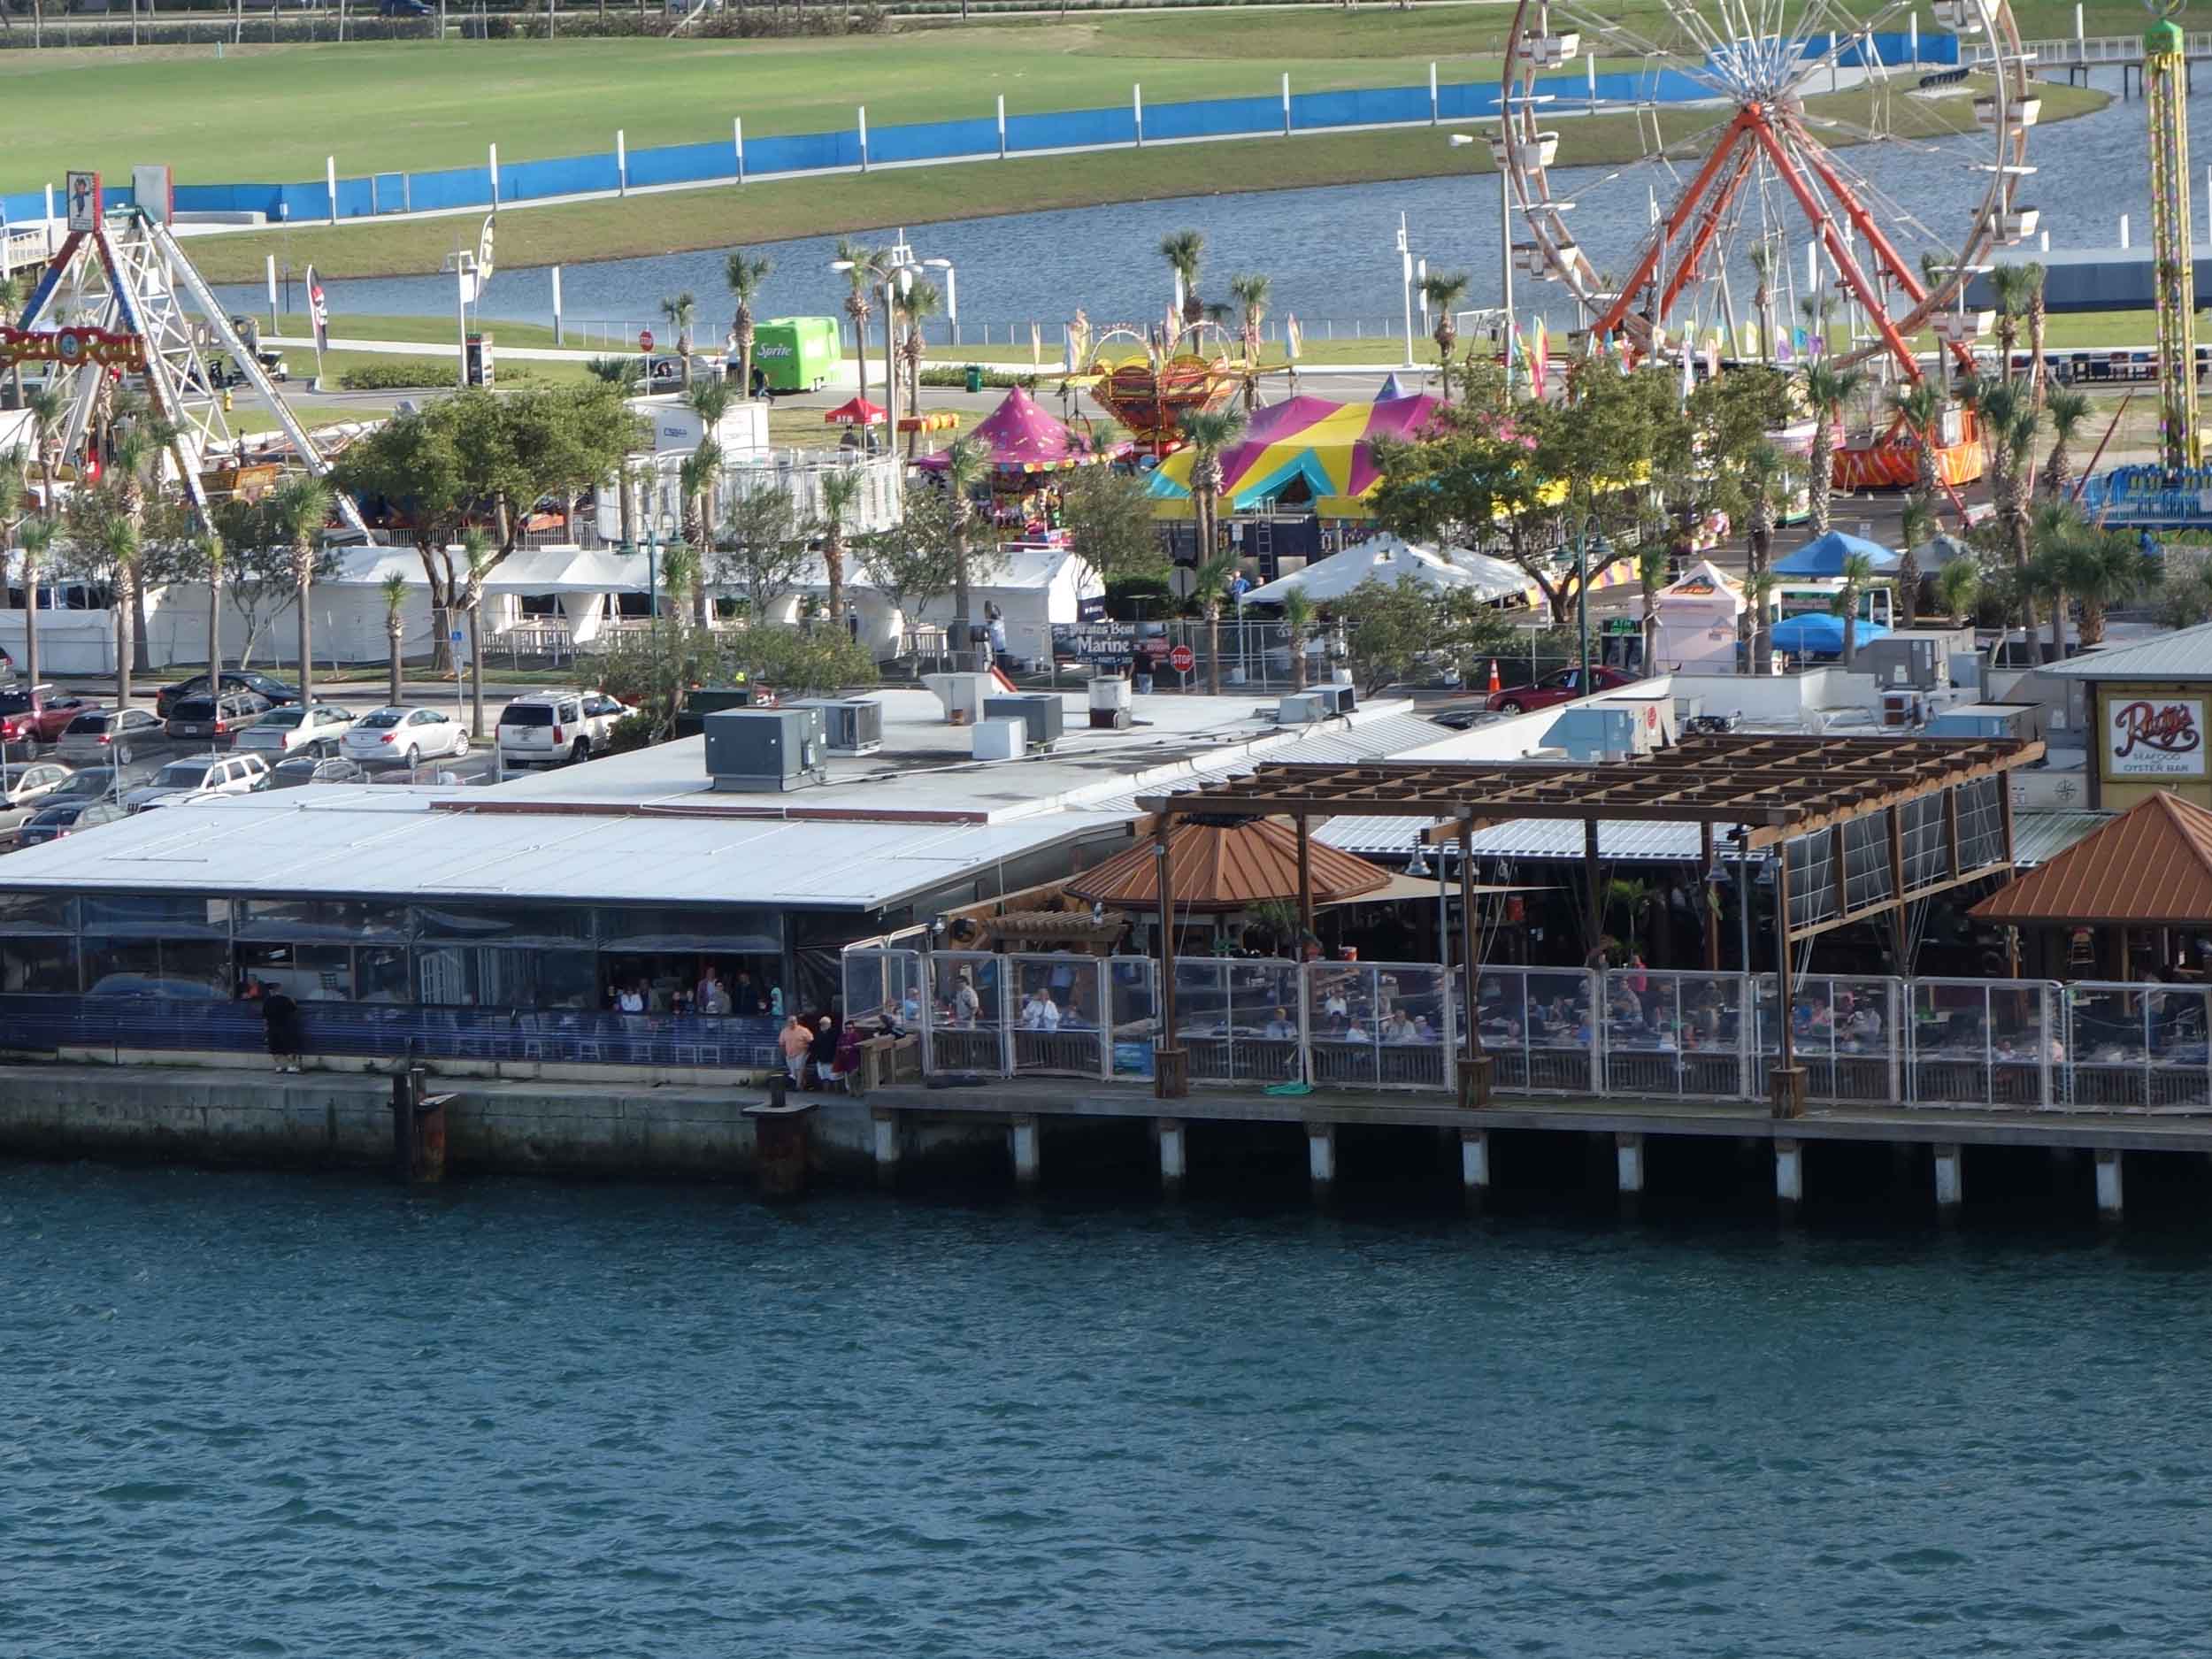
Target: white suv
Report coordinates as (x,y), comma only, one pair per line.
(210,774)
(549,727)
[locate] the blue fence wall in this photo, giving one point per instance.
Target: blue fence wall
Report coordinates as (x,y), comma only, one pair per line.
(1067,129)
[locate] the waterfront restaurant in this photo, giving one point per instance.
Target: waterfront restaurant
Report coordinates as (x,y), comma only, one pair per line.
(2146,706)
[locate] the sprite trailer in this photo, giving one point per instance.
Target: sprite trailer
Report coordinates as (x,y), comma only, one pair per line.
(797,354)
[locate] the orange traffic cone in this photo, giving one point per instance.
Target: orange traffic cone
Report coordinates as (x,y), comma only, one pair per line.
(1493,673)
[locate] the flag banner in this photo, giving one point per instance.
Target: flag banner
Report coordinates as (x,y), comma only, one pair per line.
(320,311)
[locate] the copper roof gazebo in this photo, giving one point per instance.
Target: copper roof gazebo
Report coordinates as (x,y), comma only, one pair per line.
(1865,826)
(1229,865)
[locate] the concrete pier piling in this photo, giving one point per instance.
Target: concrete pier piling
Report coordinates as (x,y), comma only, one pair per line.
(2109,1196)
(1628,1159)
(1950,1181)
(783,1146)
(1474,1163)
(1173,1165)
(1024,1131)
(1321,1158)
(887,1150)
(1789,1174)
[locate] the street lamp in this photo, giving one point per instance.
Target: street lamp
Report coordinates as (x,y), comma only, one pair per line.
(1587,534)
(897,276)
(1498,154)
(952,295)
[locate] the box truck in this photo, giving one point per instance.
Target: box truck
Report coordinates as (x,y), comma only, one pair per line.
(793,353)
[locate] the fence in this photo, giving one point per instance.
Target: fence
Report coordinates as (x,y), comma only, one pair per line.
(1628,1033)
(984,135)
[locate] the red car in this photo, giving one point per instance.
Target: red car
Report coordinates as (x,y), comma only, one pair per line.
(37,714)
(1564,687)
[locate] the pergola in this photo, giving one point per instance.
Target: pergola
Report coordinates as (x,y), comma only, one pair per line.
(1865,826)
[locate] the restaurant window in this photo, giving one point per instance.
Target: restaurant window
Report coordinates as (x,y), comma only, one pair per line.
(156,915)
(37,913)
(476,976)
(183,968)
(38,966)
(379,974)
(336,919)
(491,925)
(307,973)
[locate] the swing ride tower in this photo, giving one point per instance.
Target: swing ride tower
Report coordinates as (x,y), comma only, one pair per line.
(2165,94)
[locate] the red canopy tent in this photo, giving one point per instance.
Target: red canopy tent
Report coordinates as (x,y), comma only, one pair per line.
(859,412)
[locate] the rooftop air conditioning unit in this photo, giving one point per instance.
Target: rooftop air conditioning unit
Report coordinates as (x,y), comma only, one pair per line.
(1336,699)
(1301,708)
(764,750)
(1109,702)
(1042,713)
(1000,738)
(962,695)
(851,726)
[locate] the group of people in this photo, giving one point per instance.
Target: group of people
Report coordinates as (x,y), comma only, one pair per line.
(820,1052)
(712,995)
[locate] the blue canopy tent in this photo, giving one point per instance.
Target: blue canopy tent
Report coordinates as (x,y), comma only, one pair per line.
(1824,555)
(1817,635)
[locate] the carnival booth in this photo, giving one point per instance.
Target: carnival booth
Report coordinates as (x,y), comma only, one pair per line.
(1307,451)
(1696,622)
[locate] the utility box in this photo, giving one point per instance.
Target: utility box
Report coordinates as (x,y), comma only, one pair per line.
(1904,662)
(851,726)
(1301,708)
(1044,715)
(1989,720)
(1001,739)
(1595,733)
(766,750)
(794,353)
(705,700)
(479,360)
(962,695)
(1112,700)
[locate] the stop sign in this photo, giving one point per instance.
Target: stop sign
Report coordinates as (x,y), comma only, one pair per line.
(644,340)
(1181,659)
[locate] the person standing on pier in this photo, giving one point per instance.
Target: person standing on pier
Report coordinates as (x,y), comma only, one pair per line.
(281,1023)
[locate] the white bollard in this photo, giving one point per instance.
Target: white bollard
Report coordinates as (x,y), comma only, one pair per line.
(1001,127)
(1628,1157)
(1287,102)
(1026,1152)
(621,163)
(1136,108)
(2108,1189)
(737,143)
(864,137)
(1172,1162)
(2123,230)
(495,163)
(330,181)
(557,335)
(1950,1179)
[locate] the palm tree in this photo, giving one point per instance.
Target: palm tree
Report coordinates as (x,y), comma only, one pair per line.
(840,494)
(128,455)
(967,464)
(746,274)
(1758,591)
(2008,419)
(864,270)
(2014,287)
(920,302)
(710,401)
(1765,257)
(695,484)
(38,541)
(1298,620)
(1253,293)
(1651,576)
(303,507)
(2103,569)
(2068,412)
(681,310)
(1920,407)
(1858,573)
(49,416)
(1819,309)
(1211,583)
(681,575)
(1208,434)
(1958,585)
(12,294)
(1827,389)
(1440,291)
(2038,317)
(477,549)
(1915,525)
(118,540)
(394,591)
(211,555)
(1182,250)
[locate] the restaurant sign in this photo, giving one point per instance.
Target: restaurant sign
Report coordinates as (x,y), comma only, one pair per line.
(2154,737)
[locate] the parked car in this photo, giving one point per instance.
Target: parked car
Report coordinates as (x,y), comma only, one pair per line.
(206,774)
(279,695)
(402,9)
(317,730)
(306,769)
(24,785)
(86,783)
(217,719)
(58,818)
(405,735)
(547,727)
(1562,687)
(112,735)
(37,714)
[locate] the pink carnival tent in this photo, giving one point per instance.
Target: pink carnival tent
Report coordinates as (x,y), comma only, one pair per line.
(1019,437)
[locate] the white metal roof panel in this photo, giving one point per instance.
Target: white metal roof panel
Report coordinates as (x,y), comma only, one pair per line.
(2186,654)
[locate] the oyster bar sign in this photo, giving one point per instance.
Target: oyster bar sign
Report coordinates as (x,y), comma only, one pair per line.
(2155,737)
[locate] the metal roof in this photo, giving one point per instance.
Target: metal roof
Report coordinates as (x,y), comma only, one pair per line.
(2151,866)
(2185,654)
(1626,842)
(271,845)
(2040,837)
(1383,736)
(1227,867)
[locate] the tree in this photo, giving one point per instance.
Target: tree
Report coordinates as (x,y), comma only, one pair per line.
(2068,412)
(1107,515)
(2014,289)
(919,301)
(394,589)
(1391,632)
(1208,434)
(2103,568)
(1767,481)
(1915,525)
(1476,479)
(2038,318)
(1858,574)
(302,509)
(746,274)
(476,551)
(1298,616)
(1827,389)
(258,574)
(966,467)
(1442,291)
(50,424)
(1651,576)
(864,270)
(695,481)
(840,494)
(681,310)
(654,672)
(2008,419)
(1209,587)
(475,454)
(761,552)
(1765,260)
(1958,585)
(1919,408)
(1253,294)
(37,539)
(1182,250)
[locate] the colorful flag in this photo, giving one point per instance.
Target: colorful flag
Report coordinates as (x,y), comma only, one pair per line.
(1294,338)
(1712,353)
(1540,358)
(1689,374)
(1036,346)
(320,311)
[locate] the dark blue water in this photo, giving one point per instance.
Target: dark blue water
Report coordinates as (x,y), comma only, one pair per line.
(1331,252)
(264,1414)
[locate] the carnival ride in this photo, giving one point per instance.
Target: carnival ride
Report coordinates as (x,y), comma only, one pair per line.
(119,297)
(2165,95)
(1151,385)
(1722,208)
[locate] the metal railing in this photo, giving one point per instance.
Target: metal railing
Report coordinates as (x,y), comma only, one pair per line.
(1635,1033)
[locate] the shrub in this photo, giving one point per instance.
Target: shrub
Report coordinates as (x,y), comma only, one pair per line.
(396,374)
(956,378)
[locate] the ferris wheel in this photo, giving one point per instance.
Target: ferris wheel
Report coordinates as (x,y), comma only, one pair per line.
(1762,171)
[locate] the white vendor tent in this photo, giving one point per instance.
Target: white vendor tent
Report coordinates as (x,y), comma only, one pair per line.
(1033,587)
(1696,622)
(1388,560)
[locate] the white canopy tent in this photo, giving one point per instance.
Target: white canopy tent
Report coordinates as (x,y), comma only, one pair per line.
(1388,560)
(1695,616)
